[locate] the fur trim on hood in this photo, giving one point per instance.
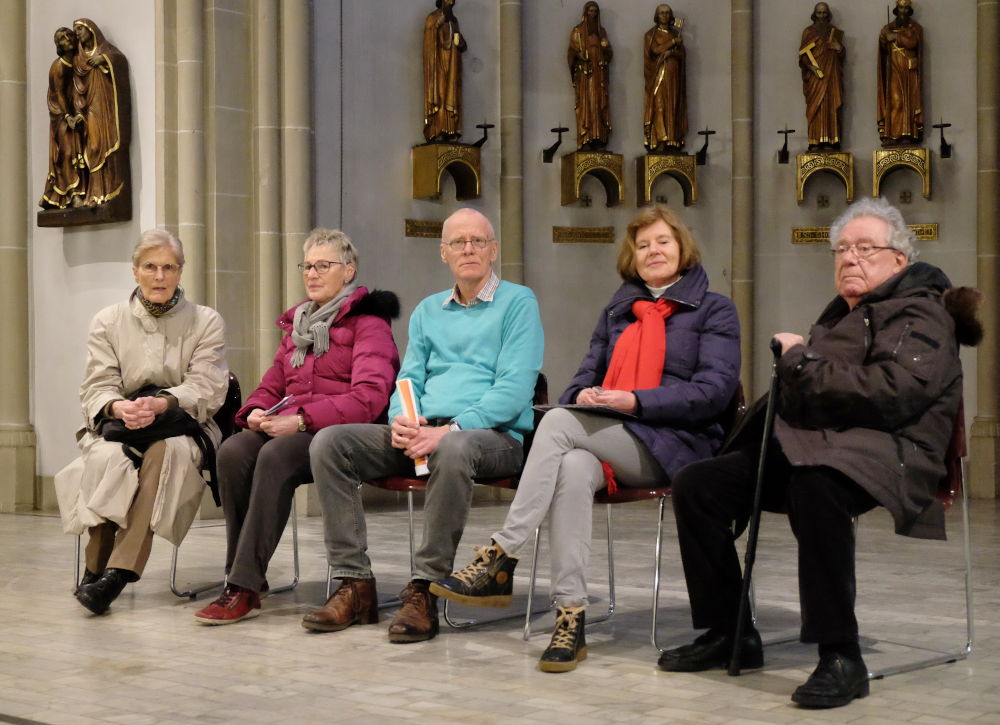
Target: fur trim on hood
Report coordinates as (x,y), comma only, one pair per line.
(381,303)
(962,304)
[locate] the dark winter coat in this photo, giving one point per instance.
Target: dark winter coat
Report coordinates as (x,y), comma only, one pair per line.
(679,420)
(351,382)
(874,395)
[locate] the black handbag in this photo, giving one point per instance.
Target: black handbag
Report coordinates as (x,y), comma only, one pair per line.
(171,422)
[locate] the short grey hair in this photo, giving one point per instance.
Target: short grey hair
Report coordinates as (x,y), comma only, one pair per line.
(154,239)
(901,237)
(339,242)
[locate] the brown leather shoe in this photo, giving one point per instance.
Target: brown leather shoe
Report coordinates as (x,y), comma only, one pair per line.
(417,619)
(355,602)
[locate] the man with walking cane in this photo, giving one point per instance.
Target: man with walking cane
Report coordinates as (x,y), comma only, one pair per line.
(863,415)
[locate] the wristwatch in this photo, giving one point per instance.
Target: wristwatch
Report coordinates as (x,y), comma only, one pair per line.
(302,423)
(454,426)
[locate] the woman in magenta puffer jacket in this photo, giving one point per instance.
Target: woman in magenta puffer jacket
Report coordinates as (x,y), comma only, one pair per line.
(336,363)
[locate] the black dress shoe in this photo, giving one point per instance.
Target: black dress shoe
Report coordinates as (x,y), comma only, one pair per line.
(89,577)
(834,683)
(712,651)
(97,596)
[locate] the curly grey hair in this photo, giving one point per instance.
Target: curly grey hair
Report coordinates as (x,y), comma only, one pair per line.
(901,237)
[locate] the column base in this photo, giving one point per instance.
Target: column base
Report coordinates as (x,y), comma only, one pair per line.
(984,457)
(17,469)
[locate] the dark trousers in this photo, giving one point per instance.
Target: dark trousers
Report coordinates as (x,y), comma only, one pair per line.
(258,476)
(710,495)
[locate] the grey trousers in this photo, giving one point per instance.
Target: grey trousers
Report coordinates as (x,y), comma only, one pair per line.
(560,478)
(258,476)
(343,456)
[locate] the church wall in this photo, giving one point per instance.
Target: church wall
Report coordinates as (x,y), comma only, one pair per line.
(794,282)
(76,271)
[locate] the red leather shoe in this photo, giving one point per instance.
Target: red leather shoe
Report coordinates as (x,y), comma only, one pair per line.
(233,605)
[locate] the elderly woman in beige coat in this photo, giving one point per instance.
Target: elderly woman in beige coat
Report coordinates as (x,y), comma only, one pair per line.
(173,351)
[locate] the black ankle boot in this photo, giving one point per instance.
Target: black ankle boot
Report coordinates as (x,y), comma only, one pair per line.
(569,641)
(89,577)
(97,596)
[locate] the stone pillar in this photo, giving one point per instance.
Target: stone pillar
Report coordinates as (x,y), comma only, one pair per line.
(984,449)
(296,140)
(191,144)
(17,435)
(511,144)
(267,178)
(742,183)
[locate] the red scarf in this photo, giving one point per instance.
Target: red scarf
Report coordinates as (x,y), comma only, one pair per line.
(637,361)
(638,358)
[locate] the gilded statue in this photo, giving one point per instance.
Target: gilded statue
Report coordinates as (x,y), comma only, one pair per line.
(821,58)
(664,119)
(589,56)
(63,185)
(443,47)
(900,106)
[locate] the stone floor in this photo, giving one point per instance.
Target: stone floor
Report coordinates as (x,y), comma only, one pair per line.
(147,661)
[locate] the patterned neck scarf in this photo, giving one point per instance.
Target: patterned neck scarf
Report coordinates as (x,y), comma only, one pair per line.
(155,308)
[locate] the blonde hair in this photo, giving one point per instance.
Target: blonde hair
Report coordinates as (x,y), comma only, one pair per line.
(689,253)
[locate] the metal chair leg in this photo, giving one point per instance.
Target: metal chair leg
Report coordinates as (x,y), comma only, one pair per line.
(529,612)
(531,587)
(294,517)
(941,657)
(394,601)
(656,575)
(193,592)
(76,564)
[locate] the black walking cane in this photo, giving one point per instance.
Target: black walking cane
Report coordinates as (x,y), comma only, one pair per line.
(751,552)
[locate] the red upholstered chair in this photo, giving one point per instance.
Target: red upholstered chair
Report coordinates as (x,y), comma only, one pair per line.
(412,484)
(732,414)
(951,488)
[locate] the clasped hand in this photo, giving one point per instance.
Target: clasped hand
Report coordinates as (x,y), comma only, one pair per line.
(273,425)
(140,412)
(622,400)
(416,440)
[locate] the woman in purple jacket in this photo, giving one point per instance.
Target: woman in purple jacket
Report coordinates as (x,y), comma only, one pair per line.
(335,364)
(662,368)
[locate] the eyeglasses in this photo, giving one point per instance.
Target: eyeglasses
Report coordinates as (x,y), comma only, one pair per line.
(151,268)
(457,245)
(321,267)
(863,250)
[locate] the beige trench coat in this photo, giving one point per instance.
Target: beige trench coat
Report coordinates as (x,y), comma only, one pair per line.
(184,352)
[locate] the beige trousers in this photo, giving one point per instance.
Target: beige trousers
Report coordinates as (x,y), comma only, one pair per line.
(128,548)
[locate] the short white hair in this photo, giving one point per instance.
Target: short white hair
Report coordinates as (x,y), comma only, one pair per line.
(900,236)
(336,240)
(154,239)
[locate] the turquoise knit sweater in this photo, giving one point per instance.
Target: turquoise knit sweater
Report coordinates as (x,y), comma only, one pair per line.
(476,365)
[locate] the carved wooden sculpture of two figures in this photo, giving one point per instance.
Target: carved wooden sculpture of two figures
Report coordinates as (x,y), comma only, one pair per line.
(89,106)
(589,56)
(442,48)
(900,105)
(821,58)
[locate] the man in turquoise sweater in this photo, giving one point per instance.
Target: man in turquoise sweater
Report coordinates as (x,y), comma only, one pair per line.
(473,357)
